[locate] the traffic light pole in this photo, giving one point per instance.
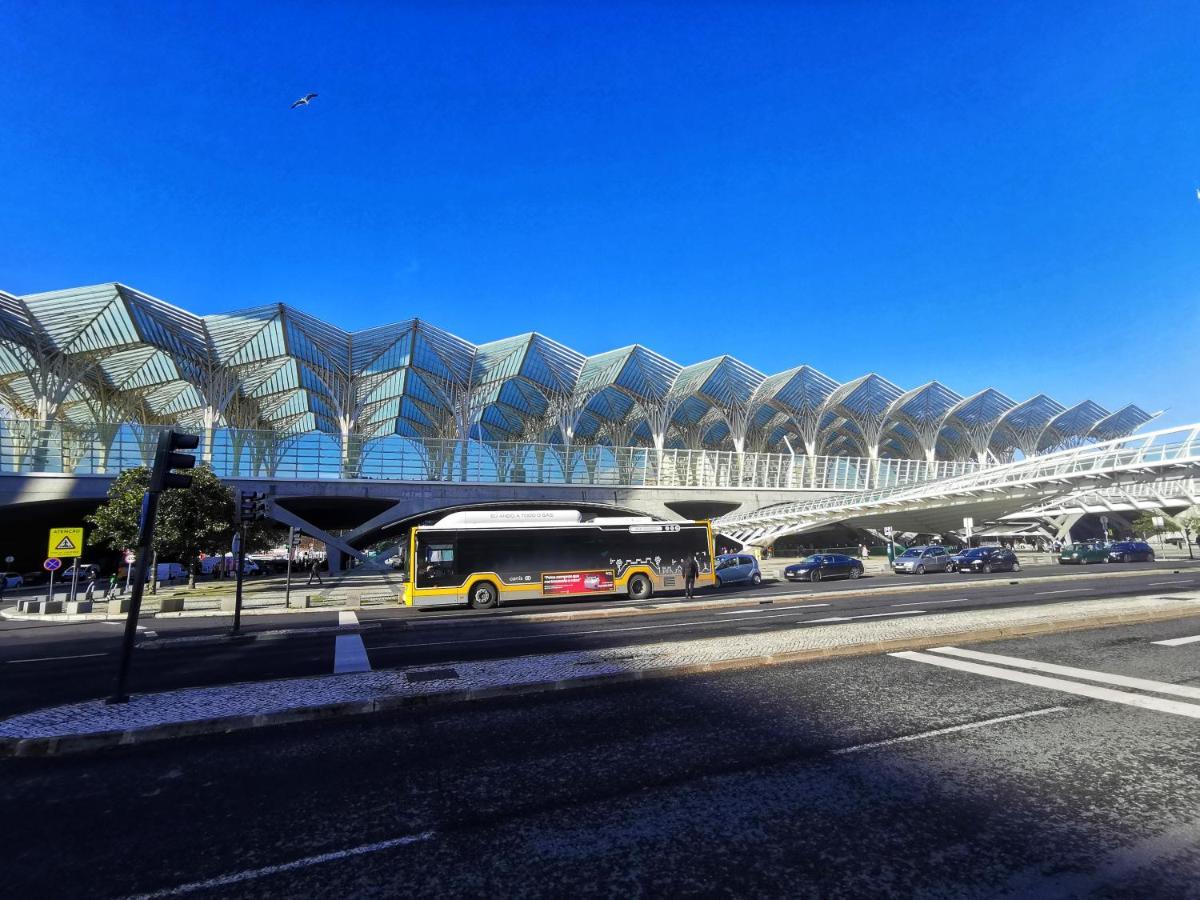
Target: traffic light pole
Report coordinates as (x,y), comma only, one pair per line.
(291,550)
(161,478)
(241,566)
(145,540)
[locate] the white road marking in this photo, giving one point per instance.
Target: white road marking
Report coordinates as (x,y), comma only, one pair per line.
(907,612)
(1178,642)
(1158,704)
(1139,684)
(54,658)
(1063,591)
(940,731)
(349,652)
(304,863)
(540,637)
(930,602)
(1174,581)
(740,612)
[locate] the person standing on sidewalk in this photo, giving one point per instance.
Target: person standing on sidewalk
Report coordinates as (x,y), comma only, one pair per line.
(315,572)
(690,571)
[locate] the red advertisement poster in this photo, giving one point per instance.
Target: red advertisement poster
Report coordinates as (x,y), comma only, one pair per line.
(577,582)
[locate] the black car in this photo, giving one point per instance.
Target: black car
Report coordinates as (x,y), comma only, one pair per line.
(1130,551)
(824,565)
(988,559)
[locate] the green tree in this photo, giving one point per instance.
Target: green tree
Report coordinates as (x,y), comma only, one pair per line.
(190,521)
(1144,524)
(1191,528)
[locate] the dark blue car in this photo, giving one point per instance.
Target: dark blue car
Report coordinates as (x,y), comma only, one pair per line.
(1130,551)
(824,565)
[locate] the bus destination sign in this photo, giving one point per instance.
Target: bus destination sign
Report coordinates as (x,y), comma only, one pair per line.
(576,582)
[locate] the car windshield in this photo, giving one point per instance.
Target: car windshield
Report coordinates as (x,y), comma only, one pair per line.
(976,552)
(726,562)
(811,559)
(912,551)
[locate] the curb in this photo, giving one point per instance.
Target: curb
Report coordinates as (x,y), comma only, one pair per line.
(70,745)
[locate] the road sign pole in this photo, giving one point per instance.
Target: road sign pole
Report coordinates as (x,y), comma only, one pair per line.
(50,596)
(74,580)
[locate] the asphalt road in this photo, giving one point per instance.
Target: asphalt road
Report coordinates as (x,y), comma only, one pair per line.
(869,776)
(44,664)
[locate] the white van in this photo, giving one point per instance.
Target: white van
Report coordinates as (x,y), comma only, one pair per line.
(209,563)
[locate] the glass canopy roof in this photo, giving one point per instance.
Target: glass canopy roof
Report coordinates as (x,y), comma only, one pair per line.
(108,353)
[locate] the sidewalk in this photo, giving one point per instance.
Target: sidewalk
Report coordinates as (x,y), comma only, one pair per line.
(89,726)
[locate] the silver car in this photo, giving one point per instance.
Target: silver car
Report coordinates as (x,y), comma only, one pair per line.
(919,560)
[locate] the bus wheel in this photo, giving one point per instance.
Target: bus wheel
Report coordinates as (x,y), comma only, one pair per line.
(483,595)
(639,588)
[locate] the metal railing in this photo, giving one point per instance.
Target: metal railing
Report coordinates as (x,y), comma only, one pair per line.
(1153,451)
(105,449)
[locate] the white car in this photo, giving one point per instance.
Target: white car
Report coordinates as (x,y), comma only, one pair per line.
(12,579)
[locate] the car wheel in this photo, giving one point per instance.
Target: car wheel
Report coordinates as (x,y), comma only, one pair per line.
(1016,567)
(856,573)
(920,570)
(756,579)
(1150,558)
(987,568)
(484,595)
(814,575)
(640,587)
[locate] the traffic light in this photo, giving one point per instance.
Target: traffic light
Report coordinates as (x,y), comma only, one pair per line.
(166,459)
(254,506)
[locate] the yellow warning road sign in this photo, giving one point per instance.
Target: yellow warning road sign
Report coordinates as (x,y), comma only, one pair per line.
(66,542)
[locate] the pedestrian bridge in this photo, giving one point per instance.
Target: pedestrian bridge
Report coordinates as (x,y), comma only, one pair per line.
(1157,469)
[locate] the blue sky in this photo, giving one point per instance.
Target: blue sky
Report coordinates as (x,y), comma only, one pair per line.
(994,194)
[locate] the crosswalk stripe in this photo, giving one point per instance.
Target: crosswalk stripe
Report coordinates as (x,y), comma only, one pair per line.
(1158,704)
(1178,642)
(1141,684)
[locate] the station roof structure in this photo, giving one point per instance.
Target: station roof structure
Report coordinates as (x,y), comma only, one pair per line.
(109,353)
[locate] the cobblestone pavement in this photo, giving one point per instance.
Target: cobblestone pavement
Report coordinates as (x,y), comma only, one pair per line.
(274,697)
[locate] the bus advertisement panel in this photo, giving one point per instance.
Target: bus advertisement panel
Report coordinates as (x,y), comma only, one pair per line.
(576,582)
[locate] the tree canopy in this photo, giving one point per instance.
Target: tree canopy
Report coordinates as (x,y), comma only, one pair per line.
(199,519)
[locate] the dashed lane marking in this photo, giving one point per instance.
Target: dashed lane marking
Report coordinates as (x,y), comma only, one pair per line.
(349,652)
(1157,704)
(1139,684)
(742,612)
(951,730)
(1178,642)
(303,863)
(1174,581)
(1063,591)
(907,612)
(930,602)
(54,658)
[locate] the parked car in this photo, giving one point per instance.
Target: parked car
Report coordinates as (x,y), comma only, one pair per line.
(987,559)
(737,567)
(86,570)
(12,579)
(1083,553)
(919,560)
(37,576)
(1130,551)
(168,571)
(824,565)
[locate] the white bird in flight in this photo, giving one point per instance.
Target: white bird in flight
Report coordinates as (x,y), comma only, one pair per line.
(303,101)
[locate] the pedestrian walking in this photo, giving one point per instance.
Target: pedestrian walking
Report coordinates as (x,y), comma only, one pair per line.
(315,572)
(90,594)
(114,584)
(690,570)
(864,551)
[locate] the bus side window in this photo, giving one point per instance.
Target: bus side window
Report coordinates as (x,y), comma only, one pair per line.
(435,566)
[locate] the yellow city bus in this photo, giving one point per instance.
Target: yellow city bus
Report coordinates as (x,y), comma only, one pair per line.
(483,558)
